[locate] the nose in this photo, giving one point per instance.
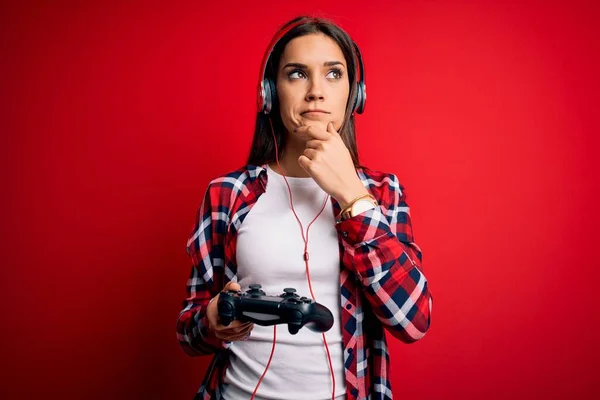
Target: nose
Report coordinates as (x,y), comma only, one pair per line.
(315,91)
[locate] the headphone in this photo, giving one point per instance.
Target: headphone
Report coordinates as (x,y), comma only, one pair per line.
(267,93)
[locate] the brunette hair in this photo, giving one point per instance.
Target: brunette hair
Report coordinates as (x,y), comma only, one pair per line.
(262,150)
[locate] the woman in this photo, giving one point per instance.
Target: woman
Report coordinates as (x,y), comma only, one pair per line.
(360,261)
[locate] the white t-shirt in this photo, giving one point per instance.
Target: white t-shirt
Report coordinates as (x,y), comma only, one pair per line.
(270,252)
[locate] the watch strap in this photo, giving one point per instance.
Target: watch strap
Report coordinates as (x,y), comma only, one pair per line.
(354,208)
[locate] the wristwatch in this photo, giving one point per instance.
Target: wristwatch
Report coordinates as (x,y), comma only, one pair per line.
(358,207)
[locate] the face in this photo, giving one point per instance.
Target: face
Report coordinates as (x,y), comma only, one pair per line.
(312,83)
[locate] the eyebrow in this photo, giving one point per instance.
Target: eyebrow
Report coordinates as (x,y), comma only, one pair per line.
(304,66)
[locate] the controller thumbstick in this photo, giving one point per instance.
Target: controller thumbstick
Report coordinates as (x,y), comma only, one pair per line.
(289,291)
(255,291)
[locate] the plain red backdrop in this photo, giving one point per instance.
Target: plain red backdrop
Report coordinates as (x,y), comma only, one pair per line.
(115,117)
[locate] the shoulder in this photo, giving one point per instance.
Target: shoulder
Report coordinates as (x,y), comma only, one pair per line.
(228,186)
(241,176)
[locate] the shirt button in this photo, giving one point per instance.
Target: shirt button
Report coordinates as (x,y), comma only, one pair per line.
(348,306)
(345,234)
(354,392)
(350,351)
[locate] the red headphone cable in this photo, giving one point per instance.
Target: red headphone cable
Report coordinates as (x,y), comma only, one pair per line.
(268,363)
(306,257)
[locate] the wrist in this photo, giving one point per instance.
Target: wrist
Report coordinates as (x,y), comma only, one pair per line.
(346,198)
(357,206)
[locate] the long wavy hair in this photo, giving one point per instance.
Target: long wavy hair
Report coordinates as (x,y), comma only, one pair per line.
(263,148)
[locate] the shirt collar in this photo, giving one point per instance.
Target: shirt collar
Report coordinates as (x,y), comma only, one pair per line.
(255,171)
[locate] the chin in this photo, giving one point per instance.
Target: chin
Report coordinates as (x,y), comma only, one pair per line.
(319,122)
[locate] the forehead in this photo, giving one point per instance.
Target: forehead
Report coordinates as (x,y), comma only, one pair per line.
(312,49)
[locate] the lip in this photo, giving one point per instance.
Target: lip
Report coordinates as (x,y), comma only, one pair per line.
(315,111)
(316,115)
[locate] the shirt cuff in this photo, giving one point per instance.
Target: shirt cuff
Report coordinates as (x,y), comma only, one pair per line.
(364,227)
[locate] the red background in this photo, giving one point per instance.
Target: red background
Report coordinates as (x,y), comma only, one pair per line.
(115,117)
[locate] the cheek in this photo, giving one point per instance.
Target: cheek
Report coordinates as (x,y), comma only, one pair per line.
(287,99)
(284,104)
(288,105)
(285,110)
(342,101)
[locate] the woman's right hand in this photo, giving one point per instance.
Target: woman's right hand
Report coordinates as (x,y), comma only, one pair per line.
(236,330)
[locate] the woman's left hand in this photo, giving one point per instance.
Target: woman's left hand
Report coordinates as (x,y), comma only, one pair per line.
(327,160)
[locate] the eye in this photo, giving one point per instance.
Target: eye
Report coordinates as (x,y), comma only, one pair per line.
(296,74)
(335,73)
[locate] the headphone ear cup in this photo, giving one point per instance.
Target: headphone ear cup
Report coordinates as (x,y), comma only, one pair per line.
(261,99)
(361,98)
(270,95)
(273,88)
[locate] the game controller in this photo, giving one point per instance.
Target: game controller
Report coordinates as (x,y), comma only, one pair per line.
(287,308)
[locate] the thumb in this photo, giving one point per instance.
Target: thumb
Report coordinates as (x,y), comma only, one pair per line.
(232,286)
(331,129)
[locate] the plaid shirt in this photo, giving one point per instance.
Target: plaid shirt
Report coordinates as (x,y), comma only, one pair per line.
(381,278)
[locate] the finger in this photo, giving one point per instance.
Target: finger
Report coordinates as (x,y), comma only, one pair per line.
(236,323)
(232,286)
(234,338)
(311,154)
(246,331)
(331,129)
(313,131)
(305,163)
(316,144)
(243,331)
(227,335)
(235,326)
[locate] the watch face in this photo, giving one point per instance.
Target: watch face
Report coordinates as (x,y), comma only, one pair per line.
(360,207)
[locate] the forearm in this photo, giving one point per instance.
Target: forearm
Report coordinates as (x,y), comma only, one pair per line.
(193,334)
(192,324)
(390,272)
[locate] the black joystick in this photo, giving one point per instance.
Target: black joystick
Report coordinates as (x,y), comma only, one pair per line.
(255,291)
(287,308)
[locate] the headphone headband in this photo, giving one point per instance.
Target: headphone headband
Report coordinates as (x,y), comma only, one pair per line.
(266,87)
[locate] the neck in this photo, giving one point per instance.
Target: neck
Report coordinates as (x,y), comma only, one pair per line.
(289,161)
